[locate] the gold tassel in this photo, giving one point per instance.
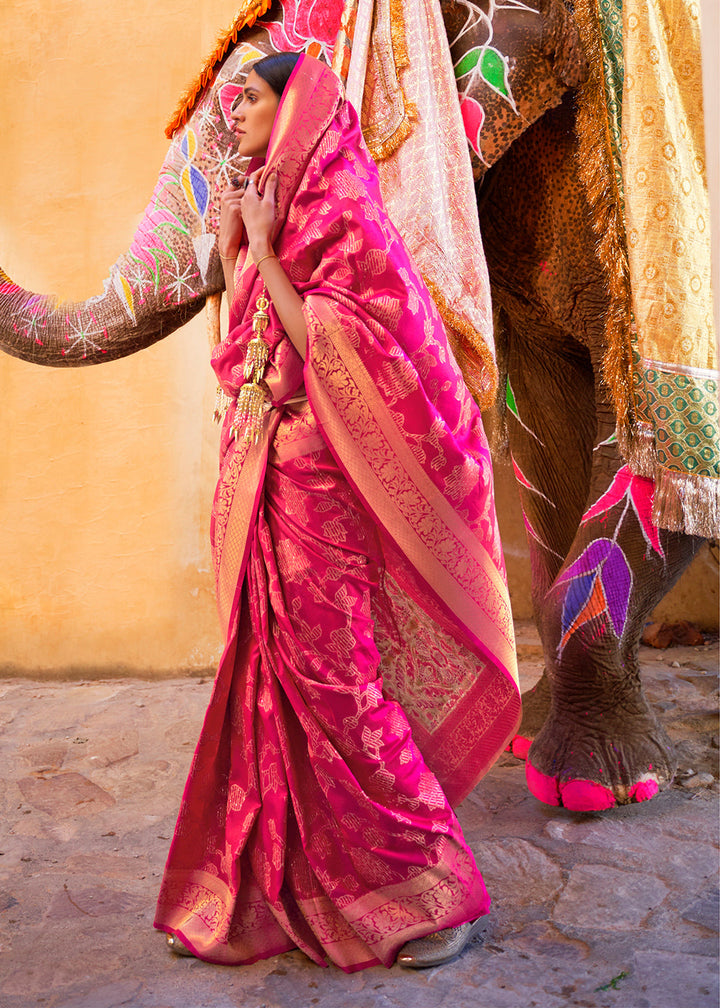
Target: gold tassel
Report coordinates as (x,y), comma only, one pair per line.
(222,404)
(256,356)
(251,400)
(249,412)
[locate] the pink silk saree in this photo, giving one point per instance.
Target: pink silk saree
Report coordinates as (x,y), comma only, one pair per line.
(368,676)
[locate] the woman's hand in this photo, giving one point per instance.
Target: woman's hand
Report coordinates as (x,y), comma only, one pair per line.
(258,214)
(258,218)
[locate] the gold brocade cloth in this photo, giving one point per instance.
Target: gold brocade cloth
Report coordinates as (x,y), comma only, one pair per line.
(642,158)
(668,235)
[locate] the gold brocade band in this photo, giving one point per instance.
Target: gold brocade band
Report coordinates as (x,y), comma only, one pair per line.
(482,594)
(390,122)
(225,929)
(235,513)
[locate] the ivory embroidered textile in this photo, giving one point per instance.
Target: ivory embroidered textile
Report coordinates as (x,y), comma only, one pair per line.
(403,79)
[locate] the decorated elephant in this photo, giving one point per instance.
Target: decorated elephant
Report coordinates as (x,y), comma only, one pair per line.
(615,449)
(615,453)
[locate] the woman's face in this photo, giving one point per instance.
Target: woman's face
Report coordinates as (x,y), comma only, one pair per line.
(253,115)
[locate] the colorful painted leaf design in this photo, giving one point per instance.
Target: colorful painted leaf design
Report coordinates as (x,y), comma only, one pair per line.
(188,145)
(525,482)
(639,492)
(196,189)
(510,400)
(473,115)
(512,406)
(493,69)
(228,95)
(530,530)
(468,62)
(612,439)
(124,292)
(599,584)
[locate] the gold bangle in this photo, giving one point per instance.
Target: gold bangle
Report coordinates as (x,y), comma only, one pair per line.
(270,255)
(227,258)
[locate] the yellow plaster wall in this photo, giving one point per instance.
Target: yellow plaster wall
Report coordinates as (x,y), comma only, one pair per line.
(107,473)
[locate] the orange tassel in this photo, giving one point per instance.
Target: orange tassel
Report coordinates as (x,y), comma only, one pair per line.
(249,13)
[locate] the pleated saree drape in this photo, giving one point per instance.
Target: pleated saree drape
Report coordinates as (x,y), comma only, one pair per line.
(368,678)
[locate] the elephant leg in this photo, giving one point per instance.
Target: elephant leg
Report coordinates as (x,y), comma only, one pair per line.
(551,422)
(601,745)
(599,566)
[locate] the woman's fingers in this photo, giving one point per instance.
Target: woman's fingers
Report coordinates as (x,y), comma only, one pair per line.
(270,189)
(245,205)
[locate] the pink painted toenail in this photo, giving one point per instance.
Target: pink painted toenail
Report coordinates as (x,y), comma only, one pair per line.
(520,746)
(543,787)
(586,796)
(644,790)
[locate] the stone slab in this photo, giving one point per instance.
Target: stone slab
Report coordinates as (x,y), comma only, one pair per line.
(598,911)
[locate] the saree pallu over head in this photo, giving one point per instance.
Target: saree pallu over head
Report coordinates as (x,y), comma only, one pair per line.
(392,407)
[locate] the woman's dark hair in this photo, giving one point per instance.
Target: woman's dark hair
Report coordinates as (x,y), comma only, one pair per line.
(275,70)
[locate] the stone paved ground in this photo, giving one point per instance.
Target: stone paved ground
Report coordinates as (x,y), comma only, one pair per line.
(618,909)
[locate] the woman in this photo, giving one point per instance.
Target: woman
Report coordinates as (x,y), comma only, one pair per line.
(357,559)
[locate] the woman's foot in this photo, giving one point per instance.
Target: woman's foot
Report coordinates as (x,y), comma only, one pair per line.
(439,947)
(177,947)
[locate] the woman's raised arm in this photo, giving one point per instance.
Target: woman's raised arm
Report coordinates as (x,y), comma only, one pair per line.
(257,214)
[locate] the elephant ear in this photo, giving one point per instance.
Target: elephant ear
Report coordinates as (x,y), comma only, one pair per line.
(172,266)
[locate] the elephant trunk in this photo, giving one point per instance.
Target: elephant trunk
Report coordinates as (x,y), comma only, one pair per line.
(164,279)
(42,330)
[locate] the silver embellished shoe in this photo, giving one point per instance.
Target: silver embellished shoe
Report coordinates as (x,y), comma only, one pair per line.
(439,947)
(177,947)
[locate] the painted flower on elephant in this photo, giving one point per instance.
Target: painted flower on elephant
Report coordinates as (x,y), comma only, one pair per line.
(597,587)
(636,492)
(473,116)
(307,27)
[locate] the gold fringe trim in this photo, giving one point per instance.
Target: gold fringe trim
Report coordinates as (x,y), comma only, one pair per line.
(597,174)
(683,502)
(249,12)
(639,449)
(471,352)
(561,42)
(401,58)
(687,503)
